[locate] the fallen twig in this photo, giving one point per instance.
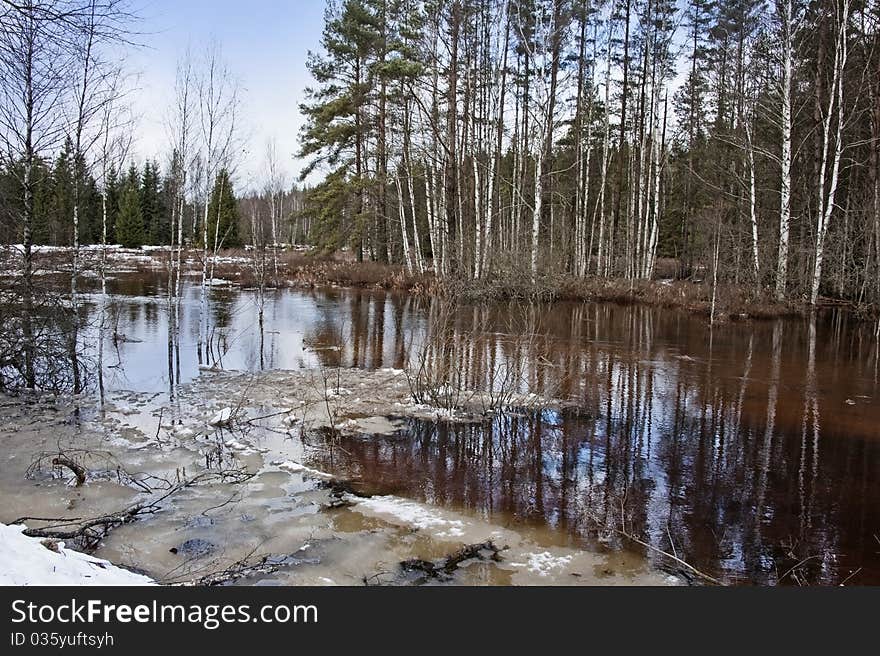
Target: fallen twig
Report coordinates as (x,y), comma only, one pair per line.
(90,532)
(623,532)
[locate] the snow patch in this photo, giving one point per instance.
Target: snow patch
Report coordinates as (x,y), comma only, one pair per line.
(296,468)
(27,561)
(242,448)
(542,563)
(414,514)
(222,418)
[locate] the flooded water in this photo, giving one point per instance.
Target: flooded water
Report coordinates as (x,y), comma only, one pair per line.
(750,450)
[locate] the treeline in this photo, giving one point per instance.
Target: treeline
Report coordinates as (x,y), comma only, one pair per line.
(577,137)
(135,207)
(140,197)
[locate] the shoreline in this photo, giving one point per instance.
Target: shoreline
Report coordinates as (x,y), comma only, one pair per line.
(302,270)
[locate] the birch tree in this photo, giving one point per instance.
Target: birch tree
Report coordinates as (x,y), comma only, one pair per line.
(833,120)
(217,112)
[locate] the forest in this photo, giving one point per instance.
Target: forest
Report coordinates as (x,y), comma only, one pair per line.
(738,137)
(522,292)
(733,140)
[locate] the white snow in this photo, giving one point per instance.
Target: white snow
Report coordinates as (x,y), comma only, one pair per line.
(27,561)
(221,259)
(414,514)
(543,562)
(235,445)
(222,418)
(295,468)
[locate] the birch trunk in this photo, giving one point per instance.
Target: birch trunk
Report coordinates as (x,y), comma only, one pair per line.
(836,98)
(785,183)
(401,213)
(753,215)
(536,215)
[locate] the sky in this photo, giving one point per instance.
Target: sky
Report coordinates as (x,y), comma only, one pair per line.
(264,43)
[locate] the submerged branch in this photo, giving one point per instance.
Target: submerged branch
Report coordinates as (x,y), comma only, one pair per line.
(90,532)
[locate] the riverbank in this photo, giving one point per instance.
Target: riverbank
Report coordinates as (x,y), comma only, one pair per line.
(301,269)
(731,302)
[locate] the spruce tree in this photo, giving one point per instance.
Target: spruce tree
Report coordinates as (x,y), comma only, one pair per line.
(43,202)
(59,229)
(114,187)
(130,219)
(223,212)
(156,227)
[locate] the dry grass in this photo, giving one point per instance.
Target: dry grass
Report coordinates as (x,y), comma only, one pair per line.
(299,269)
(732,302)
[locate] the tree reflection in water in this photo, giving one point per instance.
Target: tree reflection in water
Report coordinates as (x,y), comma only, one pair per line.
(711,449)
(751,450)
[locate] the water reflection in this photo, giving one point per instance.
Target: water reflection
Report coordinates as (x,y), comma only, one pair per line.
(751,450)
(721,509)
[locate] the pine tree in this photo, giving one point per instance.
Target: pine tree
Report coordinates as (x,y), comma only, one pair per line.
(223,213)
(130,219)
(325,208)
(337,125)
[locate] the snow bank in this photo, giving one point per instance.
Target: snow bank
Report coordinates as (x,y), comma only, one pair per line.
(27,561)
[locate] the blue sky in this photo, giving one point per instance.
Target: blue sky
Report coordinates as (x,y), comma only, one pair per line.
(265,44)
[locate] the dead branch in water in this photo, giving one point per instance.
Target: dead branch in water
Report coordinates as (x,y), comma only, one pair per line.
(90,532)
(444,568)
(676,559)
(632,538)
(253,420)
(250,565)
(104,466)
(78,470)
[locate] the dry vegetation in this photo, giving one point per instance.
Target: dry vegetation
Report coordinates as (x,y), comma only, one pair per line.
(512,282)
(300,269)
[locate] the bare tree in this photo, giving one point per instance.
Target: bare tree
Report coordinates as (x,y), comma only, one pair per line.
(218,110)
(832,135)
(35,68)
(274,191)
(115,142)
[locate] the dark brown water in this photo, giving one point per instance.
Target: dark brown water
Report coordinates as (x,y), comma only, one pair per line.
(751,450)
